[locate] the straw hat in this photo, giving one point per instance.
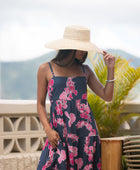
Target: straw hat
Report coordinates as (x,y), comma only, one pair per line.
(74,37)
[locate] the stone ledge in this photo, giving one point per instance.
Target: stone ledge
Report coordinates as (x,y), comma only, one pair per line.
(27,107)
(20,161)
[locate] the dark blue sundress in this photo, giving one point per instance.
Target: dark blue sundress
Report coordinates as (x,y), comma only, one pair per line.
(72,118)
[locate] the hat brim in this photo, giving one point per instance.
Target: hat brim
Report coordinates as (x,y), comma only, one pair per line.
(72,44)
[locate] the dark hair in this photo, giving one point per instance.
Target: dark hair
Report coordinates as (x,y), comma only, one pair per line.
(65,53)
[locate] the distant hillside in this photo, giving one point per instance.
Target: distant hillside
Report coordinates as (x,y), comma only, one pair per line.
(19,79)
(135,60)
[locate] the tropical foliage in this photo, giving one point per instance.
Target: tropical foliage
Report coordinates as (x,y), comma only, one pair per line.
(109,115)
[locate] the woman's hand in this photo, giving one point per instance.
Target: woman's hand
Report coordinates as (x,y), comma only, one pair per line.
(53,137)
(109,59)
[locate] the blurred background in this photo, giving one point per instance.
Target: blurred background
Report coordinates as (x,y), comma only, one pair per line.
(26,25)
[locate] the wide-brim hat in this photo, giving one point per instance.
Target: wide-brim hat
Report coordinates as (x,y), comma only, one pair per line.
(74,37)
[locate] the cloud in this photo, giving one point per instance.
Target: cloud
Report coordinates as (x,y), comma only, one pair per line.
(26,24)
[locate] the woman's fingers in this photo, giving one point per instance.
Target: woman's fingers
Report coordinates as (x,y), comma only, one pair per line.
(104,53)
(58,137)
(55,140)
(54,144)
(106,56)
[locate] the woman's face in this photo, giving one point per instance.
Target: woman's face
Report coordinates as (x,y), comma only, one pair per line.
(79,54)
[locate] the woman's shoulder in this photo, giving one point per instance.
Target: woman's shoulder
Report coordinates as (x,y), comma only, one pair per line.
(86,67)
(44,69)
(44,66)
(88,70)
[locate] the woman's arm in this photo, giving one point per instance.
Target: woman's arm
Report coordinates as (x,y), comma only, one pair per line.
(109,87)
(42,84)
(96,86)
(41,97)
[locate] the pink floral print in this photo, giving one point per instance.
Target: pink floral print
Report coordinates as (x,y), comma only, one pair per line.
(71,117)
(79,163)
(83,109)
(50,87)
(62,155)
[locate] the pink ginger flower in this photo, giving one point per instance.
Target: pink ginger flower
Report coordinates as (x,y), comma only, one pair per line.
(50,87)
(84,96)
(90,155)
(83,108)
(54,121)
(73,149)
(59,109)
(78,104)
(67,90)
(84,116)
(72,136)
(70,96)
(71,87)
(64,104)
(79,163)
(99,166)
(63,96)
(70,82)
(71,117)
(51,82)
(75,92)
(92,132)
(71,157)
(88,126)
(88,167)
(86,149)
(62,155)
(60,121)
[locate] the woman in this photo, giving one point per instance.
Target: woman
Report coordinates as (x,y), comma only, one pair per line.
(73,141)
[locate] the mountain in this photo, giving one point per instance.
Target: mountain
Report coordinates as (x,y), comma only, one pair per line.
(19,79)
(135,60)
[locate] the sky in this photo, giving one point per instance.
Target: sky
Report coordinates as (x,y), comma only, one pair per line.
(26,25)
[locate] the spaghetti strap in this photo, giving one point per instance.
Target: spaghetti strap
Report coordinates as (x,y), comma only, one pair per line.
(51,68)
(83,70)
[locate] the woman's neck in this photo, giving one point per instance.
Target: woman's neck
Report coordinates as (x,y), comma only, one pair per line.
(68,61)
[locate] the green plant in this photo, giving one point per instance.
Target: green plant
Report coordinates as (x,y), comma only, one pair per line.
(124,165)
(109,115)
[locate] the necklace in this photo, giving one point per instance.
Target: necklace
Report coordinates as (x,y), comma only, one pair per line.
(66,68)
(68,64)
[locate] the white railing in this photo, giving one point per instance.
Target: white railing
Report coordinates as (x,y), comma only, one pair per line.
(21,130)
(131,127)
(22,136)
(20,127)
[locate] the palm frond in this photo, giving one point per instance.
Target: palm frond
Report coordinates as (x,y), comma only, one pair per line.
(108,115)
